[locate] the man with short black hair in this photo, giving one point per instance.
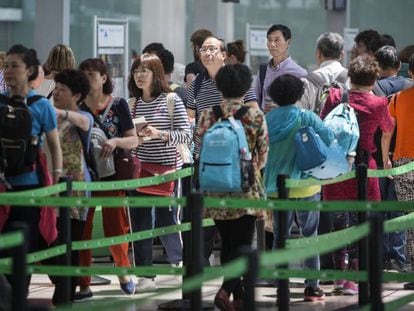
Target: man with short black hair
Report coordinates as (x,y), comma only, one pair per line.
(278,42)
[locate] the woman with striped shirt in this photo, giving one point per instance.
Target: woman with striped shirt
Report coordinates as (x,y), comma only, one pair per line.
(157,144)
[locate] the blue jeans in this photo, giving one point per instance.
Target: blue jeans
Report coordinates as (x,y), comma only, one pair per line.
(394,242)
(308,222)
(142,219)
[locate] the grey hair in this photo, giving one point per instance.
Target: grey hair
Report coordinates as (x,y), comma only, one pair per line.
(330,44)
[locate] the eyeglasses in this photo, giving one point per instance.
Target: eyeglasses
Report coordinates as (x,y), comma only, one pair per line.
(143,71)
(209,50)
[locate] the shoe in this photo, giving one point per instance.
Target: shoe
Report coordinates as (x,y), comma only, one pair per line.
(238,304)
(397,266)
(128,288)
(177,265)
(409,286)
(80,297)
(145,285)
(350,288)
(338,287)
(222,301)
(314,294)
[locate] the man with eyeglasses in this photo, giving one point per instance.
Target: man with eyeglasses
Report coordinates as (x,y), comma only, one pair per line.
(278,42)
(203,93)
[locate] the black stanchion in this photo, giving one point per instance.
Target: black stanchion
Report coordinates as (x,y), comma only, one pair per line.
(375,260)
(19,280)
(193,249)
(363,287)
(65,238)
(249,279)
(282,227)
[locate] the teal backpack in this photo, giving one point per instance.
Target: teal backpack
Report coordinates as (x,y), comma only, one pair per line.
(225,158)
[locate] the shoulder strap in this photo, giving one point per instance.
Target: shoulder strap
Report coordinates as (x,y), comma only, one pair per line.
(262,74)
(4,99)
(33,99)
(170,106)
(197,84)
(343,76)
(344,97)
(218,113)
(241,112)
(315,79)
(103,117)
(174,86)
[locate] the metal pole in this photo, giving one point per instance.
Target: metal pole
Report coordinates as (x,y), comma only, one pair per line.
(197,244)
(375,266)
(249,279)
(363,287)
(282,227)
(65,238)
(19,290)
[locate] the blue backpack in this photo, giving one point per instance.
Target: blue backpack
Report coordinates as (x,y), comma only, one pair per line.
(225,159)
(343,122)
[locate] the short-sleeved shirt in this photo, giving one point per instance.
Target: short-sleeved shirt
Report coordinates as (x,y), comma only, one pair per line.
(208,96)
(74,164)
(118,120)
(402,110)
(272,72)
(43,121)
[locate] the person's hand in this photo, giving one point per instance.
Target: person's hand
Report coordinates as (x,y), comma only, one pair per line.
(388,165)
(108,147)
(150,131)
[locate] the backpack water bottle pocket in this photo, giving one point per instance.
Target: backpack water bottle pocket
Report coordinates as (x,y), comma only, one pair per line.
(247,172)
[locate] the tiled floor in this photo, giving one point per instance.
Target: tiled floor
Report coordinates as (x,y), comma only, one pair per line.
(41,291)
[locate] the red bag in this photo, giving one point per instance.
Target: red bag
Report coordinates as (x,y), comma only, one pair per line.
(153,169)
(127,167)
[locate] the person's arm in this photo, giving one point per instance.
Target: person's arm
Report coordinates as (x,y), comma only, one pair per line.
(191,113)
(262,143)
(385,148)
(128,141)
(77,119)
(52,138)
(189,78)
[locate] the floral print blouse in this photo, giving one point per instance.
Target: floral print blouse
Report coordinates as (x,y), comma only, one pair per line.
(257,137)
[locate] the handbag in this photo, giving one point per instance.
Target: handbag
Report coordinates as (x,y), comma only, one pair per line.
(153,169)
(127,166)
(315,158)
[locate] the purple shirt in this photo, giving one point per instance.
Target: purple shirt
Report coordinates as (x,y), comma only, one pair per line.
(286,66)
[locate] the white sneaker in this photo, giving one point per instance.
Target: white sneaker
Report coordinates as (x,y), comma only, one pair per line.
(177,265)
(145,285)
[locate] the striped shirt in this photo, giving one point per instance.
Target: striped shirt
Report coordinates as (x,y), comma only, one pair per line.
(156,115)
(208,96)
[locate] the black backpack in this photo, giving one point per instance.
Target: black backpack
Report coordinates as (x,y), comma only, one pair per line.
(18,148)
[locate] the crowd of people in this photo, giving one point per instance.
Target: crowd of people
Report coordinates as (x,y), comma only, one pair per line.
(78,100)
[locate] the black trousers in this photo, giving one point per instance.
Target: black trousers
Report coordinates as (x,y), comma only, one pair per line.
(235,234)
(58,298)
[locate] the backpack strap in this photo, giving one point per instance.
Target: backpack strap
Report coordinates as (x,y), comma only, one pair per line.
(218,113)
(262,74)
(344,97)
(315,79)
(241,112)
(32,99)
(342,77)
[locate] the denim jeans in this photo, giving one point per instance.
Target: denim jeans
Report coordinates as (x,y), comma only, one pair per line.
(308,222)
(142,219)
